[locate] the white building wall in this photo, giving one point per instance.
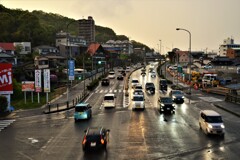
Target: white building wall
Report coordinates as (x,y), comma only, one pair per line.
(26,47)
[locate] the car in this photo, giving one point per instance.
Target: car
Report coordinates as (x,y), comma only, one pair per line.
(138,102)
(120,77)
(177,96)
(109,100)
(120,69)
(163,85)
(123,72)
(153,74)
(138,92)
(150,87)
(95,138)
(166,105)
(134,82)
(207,67)
(105,82)
(210,122)
(173,67)
(111,75)
(128,69)
(82,111)
(138,86)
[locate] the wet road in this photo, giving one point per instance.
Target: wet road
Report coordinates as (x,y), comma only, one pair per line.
(134,134)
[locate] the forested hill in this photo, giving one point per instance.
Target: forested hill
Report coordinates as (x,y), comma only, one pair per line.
(40,28)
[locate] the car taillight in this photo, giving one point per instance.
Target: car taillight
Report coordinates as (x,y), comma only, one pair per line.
(102,140)
(84,140)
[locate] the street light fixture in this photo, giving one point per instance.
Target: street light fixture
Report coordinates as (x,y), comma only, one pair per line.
(190,57)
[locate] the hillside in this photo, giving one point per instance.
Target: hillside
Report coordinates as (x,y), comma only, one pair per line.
(40,28)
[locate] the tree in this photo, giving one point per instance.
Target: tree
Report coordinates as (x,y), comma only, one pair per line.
(4,104)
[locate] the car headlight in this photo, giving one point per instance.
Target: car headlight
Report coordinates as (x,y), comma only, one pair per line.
(182,97)
(210,126)
(222,126)
(174,97)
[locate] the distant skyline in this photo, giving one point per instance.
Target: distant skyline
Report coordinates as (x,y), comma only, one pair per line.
(148,21)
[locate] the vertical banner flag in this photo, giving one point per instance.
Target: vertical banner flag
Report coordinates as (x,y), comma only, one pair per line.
(38,86)
(71,66)
(46,76)
(6,78)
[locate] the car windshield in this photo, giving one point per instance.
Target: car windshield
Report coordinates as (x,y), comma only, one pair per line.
(134,81)
(109,98)
(80,109)
(166,100)
(214,119)
(150,85)
(176,92)
(136,98)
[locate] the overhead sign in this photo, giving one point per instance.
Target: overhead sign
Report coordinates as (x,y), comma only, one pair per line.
(27,86)
(6,78)
(71,66)
(46,76)
(38,86)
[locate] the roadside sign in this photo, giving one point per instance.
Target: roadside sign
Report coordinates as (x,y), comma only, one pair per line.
(71,66)
(46,78)
(27,86)
(38,86)
(6,78)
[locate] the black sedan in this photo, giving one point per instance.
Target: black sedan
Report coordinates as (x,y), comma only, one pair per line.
(120,77)
(166,105)
(95,138)
(177,96)
(105,82)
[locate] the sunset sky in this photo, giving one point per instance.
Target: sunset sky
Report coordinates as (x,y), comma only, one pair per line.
(148,21)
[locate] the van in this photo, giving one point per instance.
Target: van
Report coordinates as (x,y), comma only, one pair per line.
(109,100)
(211,122)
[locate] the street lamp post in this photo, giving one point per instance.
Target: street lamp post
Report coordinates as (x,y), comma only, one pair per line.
(190,57)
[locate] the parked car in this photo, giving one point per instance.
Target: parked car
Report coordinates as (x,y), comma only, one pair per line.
(211,122)
(120,77)
(166,105)
(177,96)
(150,87)
(95,138)
(105,82)
(82,111)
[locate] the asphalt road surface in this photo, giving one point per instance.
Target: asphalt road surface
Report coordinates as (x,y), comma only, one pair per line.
(137,135)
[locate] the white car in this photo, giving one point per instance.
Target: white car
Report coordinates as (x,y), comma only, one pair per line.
(211,122)
(111,75)
(153,74)
(128,69)
(109,100)
(134,82)
(138,102)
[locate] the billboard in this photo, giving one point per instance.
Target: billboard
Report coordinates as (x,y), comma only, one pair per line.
(46,79)
(27,86)
(38,86)
(6,86)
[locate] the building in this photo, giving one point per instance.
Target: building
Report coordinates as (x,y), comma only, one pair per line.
(69,45)
(8,58)
(182,57)
(44,49)
(122,47)
(87,29)
(227,43)
(7,48)
(233,53)
(24,46)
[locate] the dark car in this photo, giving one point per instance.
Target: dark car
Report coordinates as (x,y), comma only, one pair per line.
(166,105)
(150,87)
(95,138)
(120,77)
(105,82)
(177,96)
(123,72)
(163,85)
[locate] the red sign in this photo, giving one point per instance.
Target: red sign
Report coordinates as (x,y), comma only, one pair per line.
(6,78)
(27,86)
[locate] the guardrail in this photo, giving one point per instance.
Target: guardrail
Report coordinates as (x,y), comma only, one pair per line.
(52,108)
(232,98)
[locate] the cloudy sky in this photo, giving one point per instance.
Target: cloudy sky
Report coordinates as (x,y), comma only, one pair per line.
(149,21)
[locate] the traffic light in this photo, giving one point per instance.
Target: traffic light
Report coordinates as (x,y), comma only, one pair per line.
(80,77)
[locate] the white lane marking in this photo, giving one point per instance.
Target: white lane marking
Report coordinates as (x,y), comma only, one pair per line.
(88,97)
(101,91)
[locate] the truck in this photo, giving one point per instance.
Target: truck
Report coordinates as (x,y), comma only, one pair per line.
(210,79)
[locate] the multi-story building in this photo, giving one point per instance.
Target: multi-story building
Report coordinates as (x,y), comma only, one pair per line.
(227,43)
(124,47)
(69,44)
(25,47)
(87,29)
